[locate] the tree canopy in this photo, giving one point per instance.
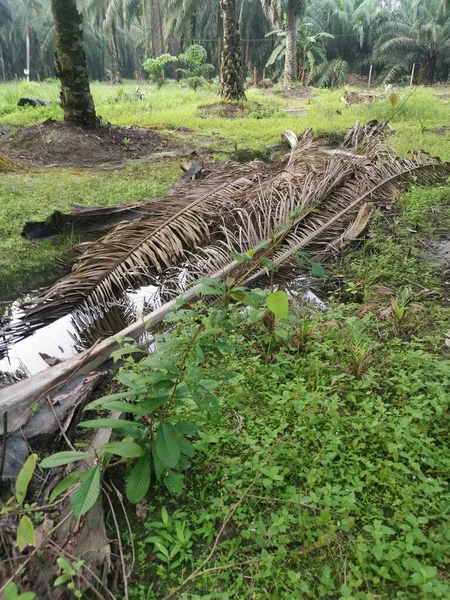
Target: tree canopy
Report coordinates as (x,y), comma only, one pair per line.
(333,38)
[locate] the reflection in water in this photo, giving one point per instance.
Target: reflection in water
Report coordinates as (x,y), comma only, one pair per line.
(68,336)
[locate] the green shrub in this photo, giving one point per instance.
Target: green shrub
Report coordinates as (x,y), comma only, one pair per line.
(155,68)
(196,66)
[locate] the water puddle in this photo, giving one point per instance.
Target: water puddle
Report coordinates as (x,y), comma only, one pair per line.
(65,337)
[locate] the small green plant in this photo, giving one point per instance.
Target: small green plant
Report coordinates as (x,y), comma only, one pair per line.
(11,593)
(157,440)
(69,572)
(195,59)
(16,504)
(155,68)
(173,543)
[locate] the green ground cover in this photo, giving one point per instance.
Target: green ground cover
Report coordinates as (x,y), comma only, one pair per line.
(328,459)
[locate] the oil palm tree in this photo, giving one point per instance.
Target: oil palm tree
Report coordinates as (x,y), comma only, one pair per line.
(231,72)
(76,98)
(420,34)
(292,11)
(295,9)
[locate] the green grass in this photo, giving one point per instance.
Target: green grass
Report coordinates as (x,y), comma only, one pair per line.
(33,196)
(341,479)
(177,106)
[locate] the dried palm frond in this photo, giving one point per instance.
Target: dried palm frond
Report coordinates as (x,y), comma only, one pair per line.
(136,253)
(309,204)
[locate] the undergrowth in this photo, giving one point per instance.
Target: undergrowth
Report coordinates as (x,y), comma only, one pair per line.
(326,475)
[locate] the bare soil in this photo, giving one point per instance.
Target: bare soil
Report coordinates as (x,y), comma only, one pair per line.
(225,110)
(58,144)
(299,93)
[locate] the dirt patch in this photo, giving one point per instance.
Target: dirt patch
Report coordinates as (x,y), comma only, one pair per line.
(439,252)
(225,110)
(300,93)
(55,143)
(439,130)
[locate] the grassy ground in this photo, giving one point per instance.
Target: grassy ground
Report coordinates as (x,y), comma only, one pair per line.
(33,196)
(329,461)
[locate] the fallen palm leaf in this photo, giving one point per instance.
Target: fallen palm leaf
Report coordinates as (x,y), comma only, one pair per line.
(311,202)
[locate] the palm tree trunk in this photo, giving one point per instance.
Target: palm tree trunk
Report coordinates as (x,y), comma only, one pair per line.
(157,27)
(76,98)
(231,73)
(117,78)
(429,67)
(290,61)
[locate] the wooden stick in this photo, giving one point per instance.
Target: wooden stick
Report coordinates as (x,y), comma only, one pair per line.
(412,74)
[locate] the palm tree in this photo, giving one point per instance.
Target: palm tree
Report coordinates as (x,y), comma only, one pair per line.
(420,34)
(231,72)
(295,9)
(76,98)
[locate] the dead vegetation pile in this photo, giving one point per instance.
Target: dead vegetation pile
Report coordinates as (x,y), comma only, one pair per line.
(316,200)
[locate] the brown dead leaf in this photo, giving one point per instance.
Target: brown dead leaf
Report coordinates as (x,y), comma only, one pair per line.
(383,290)
(141,511)
(365,308)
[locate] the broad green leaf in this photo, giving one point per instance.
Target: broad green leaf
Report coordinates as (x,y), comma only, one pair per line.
(158,465)
(174,483)
(10,591)
(186,447)
(87,493)
(187,428)
(64,458)
(111,398)
(282,334)
(167,443)
(116,425)
(164,516)
(278,303)
(64,485)
(162,549)
(131,380)
(27,596)
(317,269)
(123,449)
(155,361)
(138,480)
(65,566)
(121,406)
(25,533)
(151,404)
(24,477)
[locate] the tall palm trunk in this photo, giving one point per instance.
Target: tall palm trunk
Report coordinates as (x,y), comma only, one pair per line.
(231,72)
(290,61)
(428,70)
(117,78)
(76,98)
(157,27)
